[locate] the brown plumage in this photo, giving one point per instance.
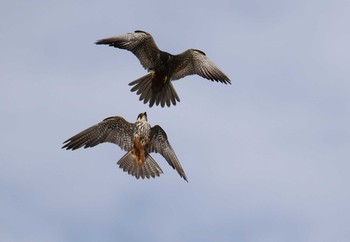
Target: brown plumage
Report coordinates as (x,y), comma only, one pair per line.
(139,139)
(156,87)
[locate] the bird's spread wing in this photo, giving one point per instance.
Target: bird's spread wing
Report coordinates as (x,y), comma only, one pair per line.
(114,130)
(160,144)
(193,62)
(139,43)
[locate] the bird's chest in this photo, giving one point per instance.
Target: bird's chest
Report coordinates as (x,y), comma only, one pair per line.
(142,134)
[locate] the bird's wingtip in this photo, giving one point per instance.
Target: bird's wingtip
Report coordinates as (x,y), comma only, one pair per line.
(99,42)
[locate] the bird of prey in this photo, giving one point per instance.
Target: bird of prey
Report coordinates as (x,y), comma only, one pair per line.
(156,87)
(139,139)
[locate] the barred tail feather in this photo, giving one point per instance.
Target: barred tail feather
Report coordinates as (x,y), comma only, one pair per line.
(150,168)
(164,96)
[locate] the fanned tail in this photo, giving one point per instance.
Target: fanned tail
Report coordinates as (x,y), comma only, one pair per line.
(148,169)
(165,95)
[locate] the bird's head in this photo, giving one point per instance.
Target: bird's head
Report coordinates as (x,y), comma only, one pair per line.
(142,117)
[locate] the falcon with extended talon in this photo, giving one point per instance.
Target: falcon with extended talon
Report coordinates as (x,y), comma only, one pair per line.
(139,139)
(156,87)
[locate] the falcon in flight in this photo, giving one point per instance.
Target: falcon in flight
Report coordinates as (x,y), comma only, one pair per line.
(139,139)
(156,87)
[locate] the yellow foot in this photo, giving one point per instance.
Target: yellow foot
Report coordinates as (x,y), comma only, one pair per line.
(165,79)
(153,74)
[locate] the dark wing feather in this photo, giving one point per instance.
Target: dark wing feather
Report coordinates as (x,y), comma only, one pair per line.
(114,130)
(161,145)
(140,43)
(193,62)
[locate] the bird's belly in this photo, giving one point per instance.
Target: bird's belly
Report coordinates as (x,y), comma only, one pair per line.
(159,80)
(138,152)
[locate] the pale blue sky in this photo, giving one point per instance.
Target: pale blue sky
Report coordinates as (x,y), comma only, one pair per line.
(267,158)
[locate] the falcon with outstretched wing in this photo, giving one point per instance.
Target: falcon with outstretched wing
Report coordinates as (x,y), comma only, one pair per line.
(156,87)
(139,139)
